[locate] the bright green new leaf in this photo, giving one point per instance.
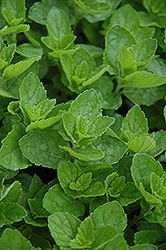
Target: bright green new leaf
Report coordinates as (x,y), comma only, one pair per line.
(129,195)
(70,174)
(67,41)
(43,123)
(144,79)
(10,239)
(2,64)
(29,50)
(127,61)
(18,68)
(160,139)
(85,235)
(63,227)
(142,167)
(150,198)
(14,30)
(143,237)
(114,184)
(55,200)
(123,15)
(109,214)
(86,104)
(11,156)
(142,144)
(134,124)
(116,36)
(58,24)
(42,147)
(93,7)
(157,186)
(69,124)
(68,65)
(7,53)
(157,217)
(13,11)
(144,51)
(113,148)
(85,153)
(81,73)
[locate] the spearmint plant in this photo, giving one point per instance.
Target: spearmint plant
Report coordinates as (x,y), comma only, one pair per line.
(82,132)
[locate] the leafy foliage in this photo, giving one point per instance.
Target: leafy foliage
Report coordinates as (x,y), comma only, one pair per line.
(82,132)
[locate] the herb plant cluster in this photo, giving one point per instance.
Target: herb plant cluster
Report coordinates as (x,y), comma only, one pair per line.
(83,111)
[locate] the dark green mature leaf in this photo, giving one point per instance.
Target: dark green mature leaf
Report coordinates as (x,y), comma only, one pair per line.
(143,247)
(11,156)
(42,147)
(160,139)
(14,30)
(116,36)
(39,11)
(113,148)
(29,50)
(121,17)
(118,243)
(10,239)
(63,227)
(111,213)
(143,237)
(55,200)
(12,193)
(93,6)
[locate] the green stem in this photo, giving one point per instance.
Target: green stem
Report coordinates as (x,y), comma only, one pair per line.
(119,86)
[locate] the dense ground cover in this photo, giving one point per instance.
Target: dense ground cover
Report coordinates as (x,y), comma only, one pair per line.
(83,111)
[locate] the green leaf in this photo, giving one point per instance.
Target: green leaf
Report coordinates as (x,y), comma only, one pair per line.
(68,65)
(143,237)
(144,79)
(160,139)
(55,200)
(86,104)
(58,24)
(129,195)
(143,247)
(145,96)
(14,30)
(13,11)
(85,235)
(142,167)
(93,7)
(104,235)
(7,53)
(11,156)
(63,227)
(29,50)
(11,212)
(118,243)
(134,124)
(43,123)
(156,217)
(39,10)
(18,68)
(157,186)
(12,193)
(153,200)
(2,64)
(42,147)
(10,239)
(116,36)
(113,148)
(69,124)
(114,184)
(127,62)
(85,153)
(109,214)
(3,174)
(154,6)
(143,33)
(142,144)
(69,173)
(123,15)
(144,51)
